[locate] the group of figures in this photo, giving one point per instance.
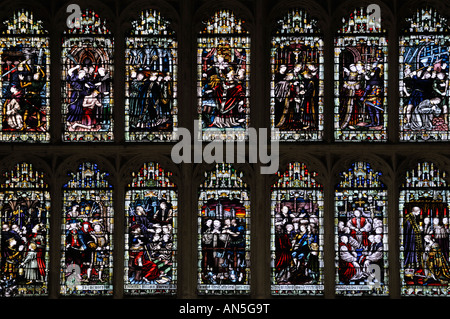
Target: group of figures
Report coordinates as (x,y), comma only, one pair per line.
(224,88)
(87,243)
(296,97)
(151,89)
(88,90)
(223,245)
(426,246)
(24,88)
(361,94)
(150,242)
(360,234)
(297,243)
(425,94)
(23,245)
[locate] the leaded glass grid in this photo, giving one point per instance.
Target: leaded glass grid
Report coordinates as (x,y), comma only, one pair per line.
(297,233)
(424,240)
(223,233)
(87,233)
(151,206)
(151,88)
(87,76)
(296,93)
(223,78)
(424,61)
(24,217)
(361,233)
(24,80)
(360,79)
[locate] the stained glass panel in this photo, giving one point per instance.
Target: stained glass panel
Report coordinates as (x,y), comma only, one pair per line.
(360,76)
(424,59)
(223,69)
(87,75)
(151,205)
(151,87)
(361,239)
(297,233)
(296,106)
(223,233)
(424,240)
(24,81)
(24,245)
(87,228)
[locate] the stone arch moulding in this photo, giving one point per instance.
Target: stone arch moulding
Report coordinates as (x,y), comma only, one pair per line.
(71,163)
(315,10)
(344,8)
(313,163)
(136,162)
(441,161)
(106,12)
(377,163)
(167,11)
(208,9)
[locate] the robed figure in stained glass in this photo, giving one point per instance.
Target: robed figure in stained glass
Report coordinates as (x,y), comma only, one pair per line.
(223,233)
(424,231)
(151,236)
(297,235)
(413,240)
(89,84)
(224,87)
(24,79)
(151,89)
(361,94)
(223,74)
(151,79)
(87,74)
(297,77)
(360,78)
(425,242)
(24,218)
(361,232)
(424,77)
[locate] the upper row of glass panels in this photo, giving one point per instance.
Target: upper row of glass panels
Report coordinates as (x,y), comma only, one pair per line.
(296,103)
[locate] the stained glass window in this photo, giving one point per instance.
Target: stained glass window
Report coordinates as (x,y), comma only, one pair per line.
(297,232)
(424,61)
(87,75)
(360,76)
(424,240)
(151,87)
(24,81)
(223,69)
(86,234)
(296,106)
(361,238)
(24,216)
(224,233)
(151,205)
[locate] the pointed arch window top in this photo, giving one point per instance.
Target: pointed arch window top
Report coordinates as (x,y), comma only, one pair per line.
(427,19)
(89,23)
(151,175)
(23,176)
(361,20)
(296,21)
(224,22)
(297,175)
(360,175)
(23,22)
(88,176)
(425,175)
(150,22)
(224,176)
